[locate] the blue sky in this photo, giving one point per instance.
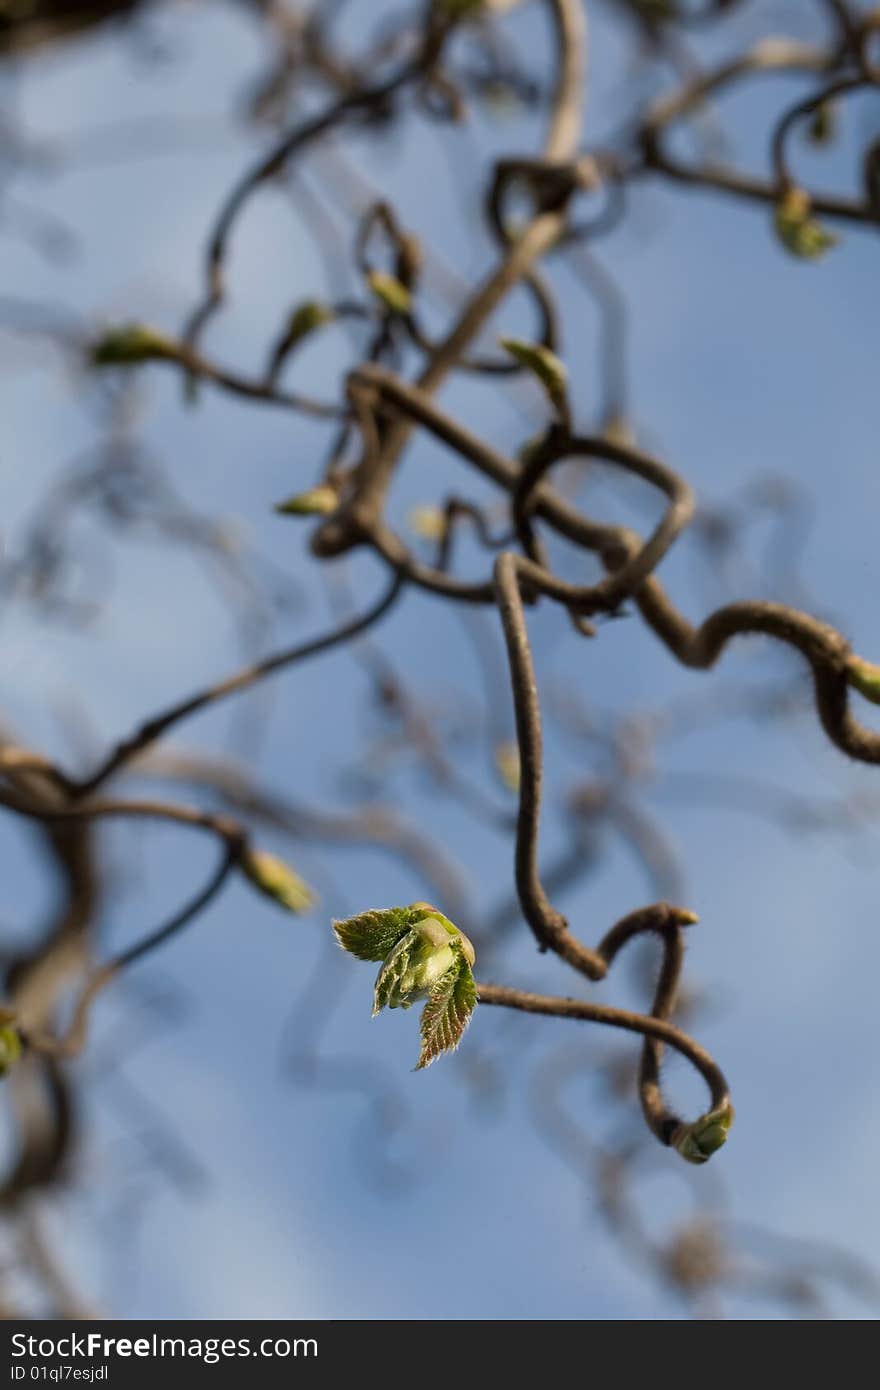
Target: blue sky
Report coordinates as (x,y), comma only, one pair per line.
(744,364)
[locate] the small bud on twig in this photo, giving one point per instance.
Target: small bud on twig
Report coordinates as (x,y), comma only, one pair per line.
(317,501)
(307,318)
(10,1045)
(697,1142)
(428,522)
(276,880)
(864,677)
(800,233)
(544,365)
(508,764)
(393,295)
(131,344)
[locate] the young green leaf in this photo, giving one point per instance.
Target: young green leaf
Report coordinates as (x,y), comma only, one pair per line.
(447,1012)
(432,924)
(424,956)
(415,965)
(373,935)
(390,990)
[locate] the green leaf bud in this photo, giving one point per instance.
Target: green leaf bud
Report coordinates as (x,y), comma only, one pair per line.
(393,295)
(697,1142)
(10,1047)
(543,364)
(276,880)
(131,344)
(316,501)
(864,677)
(800,233)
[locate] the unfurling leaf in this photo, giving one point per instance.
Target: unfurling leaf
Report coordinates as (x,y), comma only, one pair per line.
(393,295)
(276,880)
(316,501)
(10,1047)
(412,969)
(798,231)
(543,364)
(415,965)
(447,1013)
(697,1142)
(424,956)
(431,922)
(373,935)
(864,677)
(131,344)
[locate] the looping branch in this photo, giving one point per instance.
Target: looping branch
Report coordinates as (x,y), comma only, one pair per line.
(380,412)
